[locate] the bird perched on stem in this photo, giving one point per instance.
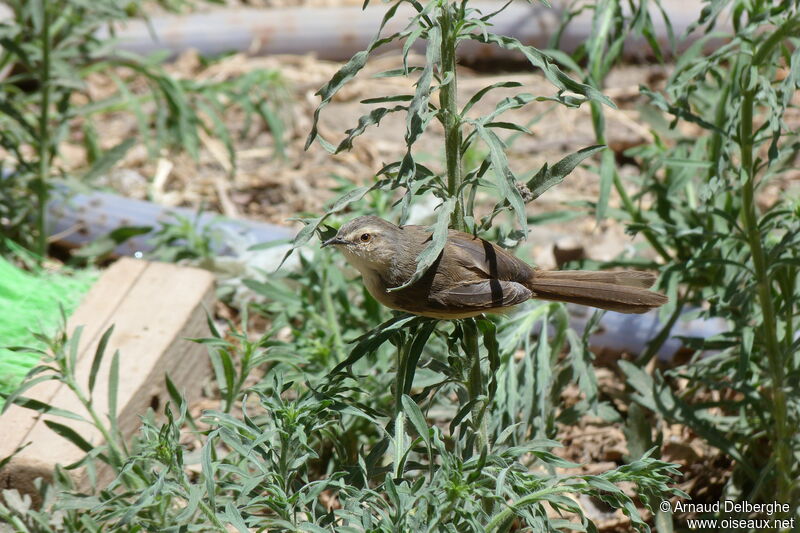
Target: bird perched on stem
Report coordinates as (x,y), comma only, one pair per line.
(473,276)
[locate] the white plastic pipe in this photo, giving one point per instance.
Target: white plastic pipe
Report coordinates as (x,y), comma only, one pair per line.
(336,33)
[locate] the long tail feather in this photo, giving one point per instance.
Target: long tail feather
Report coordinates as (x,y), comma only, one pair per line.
(625,292)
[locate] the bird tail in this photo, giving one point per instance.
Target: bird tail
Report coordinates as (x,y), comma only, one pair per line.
(624,292)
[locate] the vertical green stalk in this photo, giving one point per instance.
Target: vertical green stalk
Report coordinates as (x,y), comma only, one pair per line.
(330,310)
(451,118)
(598,121)
(43,144)
(399,415)
(399,382)
(475,386)
(782,453)
(598,69)
(448,105)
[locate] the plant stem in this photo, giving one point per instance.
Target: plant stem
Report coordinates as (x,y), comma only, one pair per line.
(598,122)
(475,386)
(43,144)
(330,311)
(782,464)
(448,105)
(664,333)
(402,358)
(116,455)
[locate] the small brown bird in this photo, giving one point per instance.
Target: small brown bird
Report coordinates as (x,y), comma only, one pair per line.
(473,276)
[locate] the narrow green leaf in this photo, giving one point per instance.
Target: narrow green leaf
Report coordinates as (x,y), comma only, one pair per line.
(373,118)
(208,468)
(418,113)
(748,337)
(419,342)
(229,374)
(15,114)
(480,94)
(113,390)
(370,341)
(348,72)
(98,357)
(44,408)
(399,447)
(72,349)
(342,76)
(276,128)
(234,518)
(410,40)
(789,28)
(396,72)
(70,434)
(387,99)
(15,396)
(509,126)
(417,419)
(602,484)
(507,104)
(608,169)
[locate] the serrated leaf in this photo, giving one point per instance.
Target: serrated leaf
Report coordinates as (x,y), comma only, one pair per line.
(548,177)
(506,181)
(540,60)
(339,79)
(374,117)
(347,73)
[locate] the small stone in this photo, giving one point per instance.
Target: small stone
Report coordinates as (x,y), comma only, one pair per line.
(568,249)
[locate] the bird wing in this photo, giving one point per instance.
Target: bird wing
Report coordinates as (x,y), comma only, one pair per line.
(487,294)
(485,259)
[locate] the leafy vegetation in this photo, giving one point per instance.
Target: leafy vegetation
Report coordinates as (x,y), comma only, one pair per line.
(720,138)
(342,416)
(49,48)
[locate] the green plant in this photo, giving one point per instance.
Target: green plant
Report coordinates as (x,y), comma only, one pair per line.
(721,135)
(444,25)
(48,50)
(414,425)
(284,462)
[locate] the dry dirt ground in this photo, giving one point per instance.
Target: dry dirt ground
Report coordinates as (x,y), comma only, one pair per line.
(270,188)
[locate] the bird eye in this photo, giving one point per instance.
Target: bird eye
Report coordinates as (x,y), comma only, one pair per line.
(365,237)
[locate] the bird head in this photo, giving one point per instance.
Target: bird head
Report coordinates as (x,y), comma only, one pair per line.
(368,242)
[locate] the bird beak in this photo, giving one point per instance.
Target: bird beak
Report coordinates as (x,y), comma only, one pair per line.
(335,240)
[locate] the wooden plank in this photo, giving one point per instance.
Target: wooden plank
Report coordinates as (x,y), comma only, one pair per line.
(103,298)
(165,305)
